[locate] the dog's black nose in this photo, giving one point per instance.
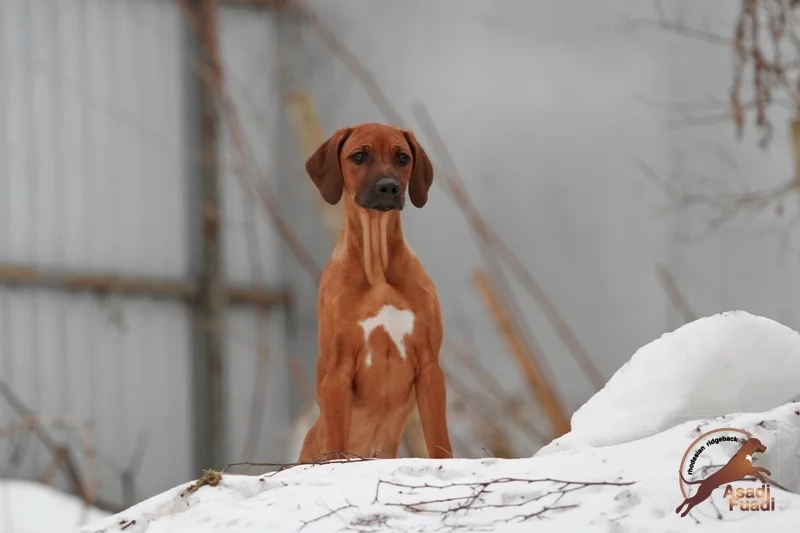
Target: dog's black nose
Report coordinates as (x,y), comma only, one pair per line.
(388,187)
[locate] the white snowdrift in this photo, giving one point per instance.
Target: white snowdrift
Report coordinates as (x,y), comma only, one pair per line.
(727,363)
(28,507)
(283,501)
(627,443)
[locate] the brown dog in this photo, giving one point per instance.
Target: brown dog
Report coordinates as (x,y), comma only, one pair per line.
(380,325)
(736,469)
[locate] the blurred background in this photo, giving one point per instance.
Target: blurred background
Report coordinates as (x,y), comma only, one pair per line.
(605,172)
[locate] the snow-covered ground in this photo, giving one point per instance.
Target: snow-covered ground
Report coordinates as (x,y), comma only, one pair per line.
(616,472)
(29,507)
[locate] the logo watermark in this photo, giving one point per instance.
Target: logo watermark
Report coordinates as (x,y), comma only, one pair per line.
(718,479)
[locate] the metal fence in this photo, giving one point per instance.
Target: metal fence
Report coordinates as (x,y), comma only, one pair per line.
(103,230)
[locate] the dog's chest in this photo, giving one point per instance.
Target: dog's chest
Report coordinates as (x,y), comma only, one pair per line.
(386,334)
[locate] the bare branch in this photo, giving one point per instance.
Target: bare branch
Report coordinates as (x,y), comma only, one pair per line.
(448,500)
(332,512)
(675,26)
(764,30)
(323,459)
(679,301)
(61,454)
(724,205)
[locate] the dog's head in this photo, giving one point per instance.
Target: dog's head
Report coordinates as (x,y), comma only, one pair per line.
(374,164)
(753,445)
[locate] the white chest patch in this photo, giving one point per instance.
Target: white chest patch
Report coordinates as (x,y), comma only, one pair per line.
(397,323)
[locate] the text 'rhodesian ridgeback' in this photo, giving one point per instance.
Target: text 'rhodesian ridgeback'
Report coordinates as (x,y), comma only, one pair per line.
(380,324)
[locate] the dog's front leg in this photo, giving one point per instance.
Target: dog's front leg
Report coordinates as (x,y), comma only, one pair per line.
(335,395)
(759,472)
(432,407)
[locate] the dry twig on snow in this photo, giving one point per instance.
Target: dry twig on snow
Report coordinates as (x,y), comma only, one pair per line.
(330,458)
(508,498)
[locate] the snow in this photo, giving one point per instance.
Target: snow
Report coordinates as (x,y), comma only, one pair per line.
(726,363)
(29,507)
(616,472)
(281,502)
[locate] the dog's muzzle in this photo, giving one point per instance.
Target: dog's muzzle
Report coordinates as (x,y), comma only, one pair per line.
(382,194)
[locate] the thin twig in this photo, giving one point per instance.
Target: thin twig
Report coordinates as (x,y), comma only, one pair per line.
(725,205)
(132,469)
(541,387)
(763,30)
(485,240)
(481,417)
(549,309)
(502,397)
(350,61)
(331,512)
(57,450)
(677,298)
(445,507)
(317,461)
(260,380)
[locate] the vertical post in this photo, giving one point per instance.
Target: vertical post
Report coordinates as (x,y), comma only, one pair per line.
(302,319)
(795,127)
(209,391)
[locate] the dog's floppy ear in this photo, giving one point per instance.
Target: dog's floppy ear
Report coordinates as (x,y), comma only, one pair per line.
(324,169)
(421,174)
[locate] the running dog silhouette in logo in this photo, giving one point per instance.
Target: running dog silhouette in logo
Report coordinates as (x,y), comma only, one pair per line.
(736,469)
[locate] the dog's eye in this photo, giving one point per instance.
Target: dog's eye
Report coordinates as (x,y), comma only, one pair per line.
(402,159)
(358,157)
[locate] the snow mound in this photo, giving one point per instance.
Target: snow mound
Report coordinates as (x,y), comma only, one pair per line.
(626,487)
(615,472)
(726,363)
(31,507)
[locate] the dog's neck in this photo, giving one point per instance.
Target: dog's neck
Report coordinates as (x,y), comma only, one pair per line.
(373,238)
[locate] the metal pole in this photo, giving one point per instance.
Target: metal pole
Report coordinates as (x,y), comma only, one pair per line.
(209,369)
(23,275)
